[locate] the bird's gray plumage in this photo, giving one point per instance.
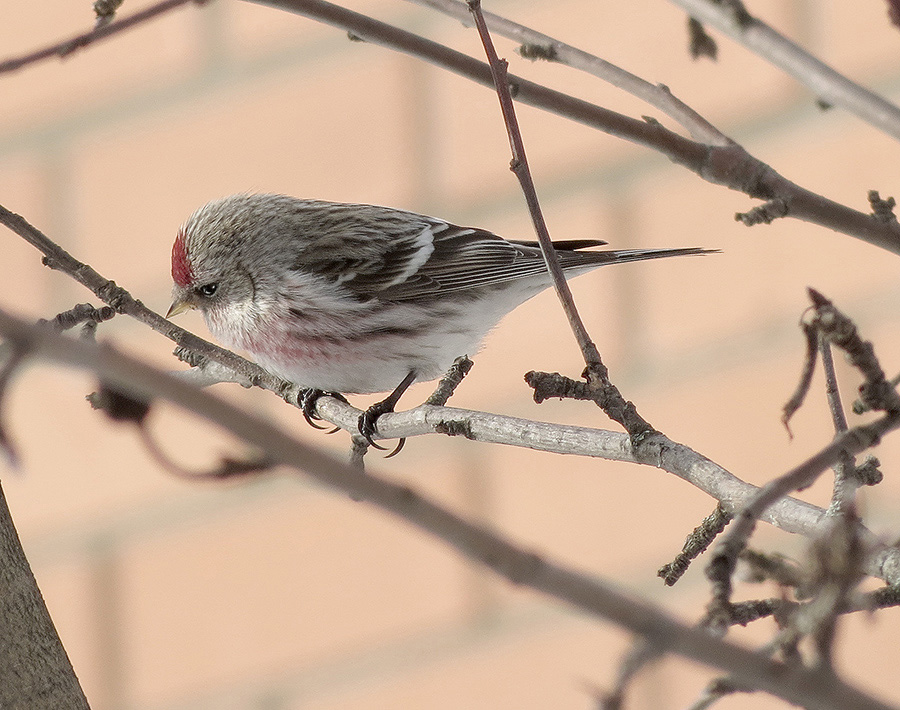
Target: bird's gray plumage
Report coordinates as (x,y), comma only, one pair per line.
(351,297)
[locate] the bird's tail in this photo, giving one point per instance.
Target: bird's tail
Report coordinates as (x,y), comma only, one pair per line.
(626,255)
(576,259)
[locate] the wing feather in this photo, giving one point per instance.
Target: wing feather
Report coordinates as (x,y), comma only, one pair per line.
(393,255)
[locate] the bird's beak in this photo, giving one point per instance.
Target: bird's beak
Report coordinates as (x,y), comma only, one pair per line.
(179,307)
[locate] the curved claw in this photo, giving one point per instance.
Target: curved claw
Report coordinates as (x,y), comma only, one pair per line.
(307,401)
(309,420)
(366,424)
(367,428)
(397,449)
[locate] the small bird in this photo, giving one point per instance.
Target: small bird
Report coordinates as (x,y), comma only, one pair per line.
(352,298)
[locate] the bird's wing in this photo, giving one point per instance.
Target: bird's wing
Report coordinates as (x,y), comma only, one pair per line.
(465,258)
(393,255)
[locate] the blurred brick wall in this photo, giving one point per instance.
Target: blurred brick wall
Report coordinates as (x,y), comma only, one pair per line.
(277,595)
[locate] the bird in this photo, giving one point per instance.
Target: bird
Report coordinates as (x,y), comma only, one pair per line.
(345,298)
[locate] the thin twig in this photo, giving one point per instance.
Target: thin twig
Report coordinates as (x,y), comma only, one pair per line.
(105,10)
(838,329)
(605,394)
(639,655)
(83,312)
(227,468)
(450,381)
(598,390)
(10,366)
(519,166)
(695,544)
(583,591)
(101,31)
(845,483)
(803,384)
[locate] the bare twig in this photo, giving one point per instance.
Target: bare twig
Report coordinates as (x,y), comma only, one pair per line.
(796,684)
(695,544)
(83,312)
(227,468)
(882,209)
(599,390)
(715,691)
(845,483)
(105,10)
(519,166)
(701,45)
(827,84)
(832,392)
(604,393)
(449,382)
(809,367)
(835,327)
(101,31)
(838,329)
(10,366)
(359,445)
(639,655)
(539,45)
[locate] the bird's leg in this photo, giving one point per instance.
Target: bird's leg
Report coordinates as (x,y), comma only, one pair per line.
(307,401)
(368,419)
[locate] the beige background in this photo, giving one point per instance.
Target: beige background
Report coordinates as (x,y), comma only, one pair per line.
(277,595)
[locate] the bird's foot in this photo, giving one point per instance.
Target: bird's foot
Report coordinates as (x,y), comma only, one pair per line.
(307,401)
(368,424)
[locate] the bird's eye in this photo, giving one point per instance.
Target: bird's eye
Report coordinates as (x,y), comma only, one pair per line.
(208,290)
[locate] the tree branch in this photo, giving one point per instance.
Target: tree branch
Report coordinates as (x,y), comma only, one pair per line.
(554,50)
(721,163)
(728,165)
(519,166)
(35,672)
(827,84)
(219,365)
(101,31)
(813,689)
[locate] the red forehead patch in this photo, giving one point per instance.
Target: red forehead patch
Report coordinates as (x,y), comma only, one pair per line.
(182,274)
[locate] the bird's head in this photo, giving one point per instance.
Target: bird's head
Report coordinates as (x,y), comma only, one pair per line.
(211,264)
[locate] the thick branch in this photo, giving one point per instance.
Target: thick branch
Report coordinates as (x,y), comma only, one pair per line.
(35,672)
(799,685)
